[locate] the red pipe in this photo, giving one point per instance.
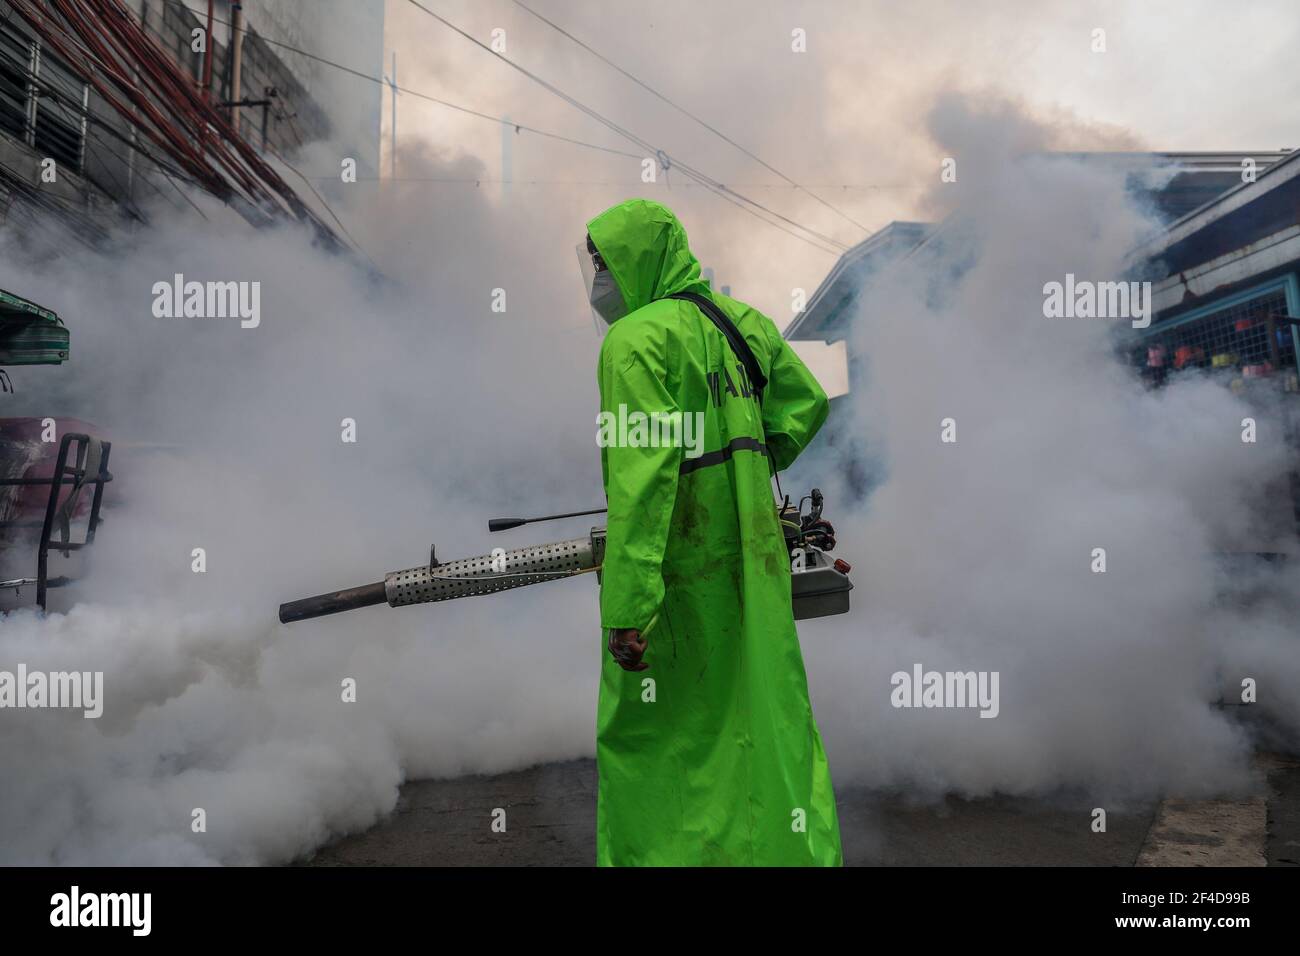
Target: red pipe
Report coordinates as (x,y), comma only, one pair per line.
(207,58)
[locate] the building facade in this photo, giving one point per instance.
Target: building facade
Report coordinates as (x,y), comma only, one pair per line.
(1225,273)
(290,98)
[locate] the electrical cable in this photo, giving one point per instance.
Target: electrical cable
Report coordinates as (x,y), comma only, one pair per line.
(712,129)
(519,127)
(711,184)
(666,160)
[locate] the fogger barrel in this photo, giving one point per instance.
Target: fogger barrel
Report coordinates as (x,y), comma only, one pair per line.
(819,584)
(486,574)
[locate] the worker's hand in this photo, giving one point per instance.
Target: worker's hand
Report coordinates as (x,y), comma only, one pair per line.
(627,645)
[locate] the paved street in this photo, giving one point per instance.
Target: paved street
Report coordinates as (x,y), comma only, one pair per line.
(550,814)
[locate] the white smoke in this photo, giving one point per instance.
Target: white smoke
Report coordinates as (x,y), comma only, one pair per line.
(977,555)
(969,556)
(229,439)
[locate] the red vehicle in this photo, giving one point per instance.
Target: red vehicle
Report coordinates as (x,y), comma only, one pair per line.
(52,470)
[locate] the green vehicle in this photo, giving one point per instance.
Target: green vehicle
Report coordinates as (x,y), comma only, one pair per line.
(52,470)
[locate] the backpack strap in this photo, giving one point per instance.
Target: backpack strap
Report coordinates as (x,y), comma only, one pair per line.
(757,380)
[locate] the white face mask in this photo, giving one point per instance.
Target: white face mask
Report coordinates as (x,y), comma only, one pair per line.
(607,304)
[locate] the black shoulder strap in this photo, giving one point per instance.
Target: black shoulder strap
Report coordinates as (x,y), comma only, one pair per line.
(737,341)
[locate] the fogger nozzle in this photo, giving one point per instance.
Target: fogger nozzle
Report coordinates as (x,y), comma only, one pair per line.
(348,599)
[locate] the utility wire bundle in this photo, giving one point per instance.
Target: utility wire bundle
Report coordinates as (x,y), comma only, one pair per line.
(108,47)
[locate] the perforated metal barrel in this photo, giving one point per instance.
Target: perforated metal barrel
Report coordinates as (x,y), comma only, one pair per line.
(487,574)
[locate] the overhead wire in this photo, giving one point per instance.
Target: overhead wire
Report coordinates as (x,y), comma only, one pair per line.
(518,127)
(819,240)
(720,189)
(685,112)
(823,242)
(485,180)
(315,192)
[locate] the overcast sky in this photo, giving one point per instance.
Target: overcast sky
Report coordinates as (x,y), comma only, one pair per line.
(853,117)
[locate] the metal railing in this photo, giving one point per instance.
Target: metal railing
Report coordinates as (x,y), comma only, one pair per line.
(91,454)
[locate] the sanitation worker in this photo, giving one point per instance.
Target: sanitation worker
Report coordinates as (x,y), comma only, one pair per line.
(706,746)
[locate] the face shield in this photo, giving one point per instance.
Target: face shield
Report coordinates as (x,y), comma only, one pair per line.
(607,303)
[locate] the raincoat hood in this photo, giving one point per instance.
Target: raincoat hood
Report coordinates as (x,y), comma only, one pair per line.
(645,249)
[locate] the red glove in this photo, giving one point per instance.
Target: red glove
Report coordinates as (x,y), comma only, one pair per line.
(627,645)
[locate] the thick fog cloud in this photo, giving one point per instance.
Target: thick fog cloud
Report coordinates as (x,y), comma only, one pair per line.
(229,439)
(973,555)
(977,555)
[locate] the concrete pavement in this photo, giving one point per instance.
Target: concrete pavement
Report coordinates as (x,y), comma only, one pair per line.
(550,821)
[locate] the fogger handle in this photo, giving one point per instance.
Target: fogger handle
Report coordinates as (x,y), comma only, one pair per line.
(332,603)
(505,524)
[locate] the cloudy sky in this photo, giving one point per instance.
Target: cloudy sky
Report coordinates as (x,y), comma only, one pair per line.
(854,118)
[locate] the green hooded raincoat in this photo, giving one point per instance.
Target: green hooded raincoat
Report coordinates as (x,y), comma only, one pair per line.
(712,755)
